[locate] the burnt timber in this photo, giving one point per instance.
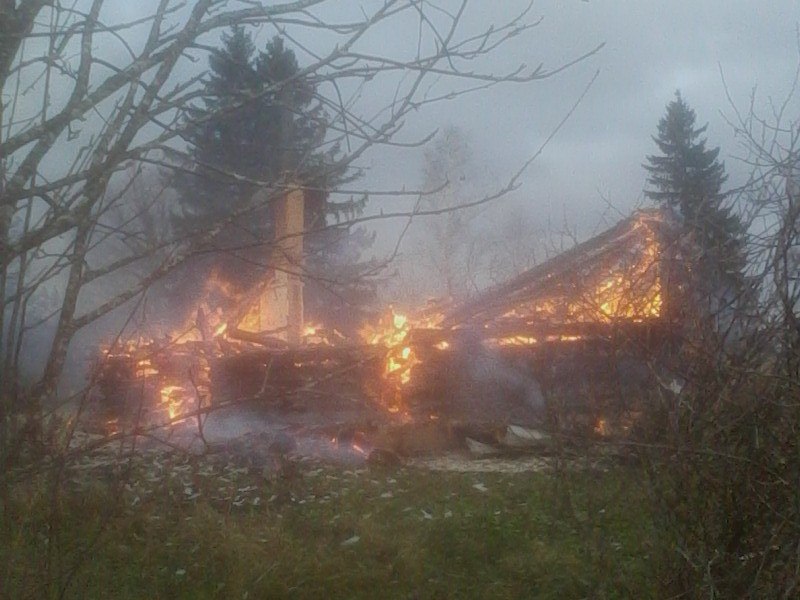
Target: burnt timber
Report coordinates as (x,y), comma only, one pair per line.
(559,321)
(568,275)
(585,324)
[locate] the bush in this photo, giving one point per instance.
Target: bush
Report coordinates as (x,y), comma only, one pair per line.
(723,474)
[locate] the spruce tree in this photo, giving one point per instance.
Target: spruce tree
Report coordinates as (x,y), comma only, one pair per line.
(257,121)
(687,179)
(260,119)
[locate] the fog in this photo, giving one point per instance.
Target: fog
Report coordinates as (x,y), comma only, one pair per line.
(589,126)
(591,171)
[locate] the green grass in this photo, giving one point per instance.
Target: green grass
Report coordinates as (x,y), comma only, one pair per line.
(187,529)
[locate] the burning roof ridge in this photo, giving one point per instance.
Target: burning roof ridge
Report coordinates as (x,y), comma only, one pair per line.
(603,242)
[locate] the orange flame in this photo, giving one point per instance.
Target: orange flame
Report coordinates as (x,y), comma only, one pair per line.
(400,357)
(172,396)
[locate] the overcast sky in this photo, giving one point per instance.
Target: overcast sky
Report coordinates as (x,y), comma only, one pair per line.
(652,48)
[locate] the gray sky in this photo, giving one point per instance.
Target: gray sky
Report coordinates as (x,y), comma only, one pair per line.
(652,48)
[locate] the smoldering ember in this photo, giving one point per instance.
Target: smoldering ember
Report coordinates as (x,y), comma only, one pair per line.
(415,299)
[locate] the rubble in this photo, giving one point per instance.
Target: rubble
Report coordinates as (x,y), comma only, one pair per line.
(407,384)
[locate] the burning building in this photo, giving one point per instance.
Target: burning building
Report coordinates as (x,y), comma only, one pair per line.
(613,279)
(489,357)
(586,318)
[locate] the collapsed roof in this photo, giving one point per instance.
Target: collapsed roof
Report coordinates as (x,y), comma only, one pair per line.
(613,277)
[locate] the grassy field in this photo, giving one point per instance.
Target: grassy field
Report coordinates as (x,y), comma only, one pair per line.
(183,527)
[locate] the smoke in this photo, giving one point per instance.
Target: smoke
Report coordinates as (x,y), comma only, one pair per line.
(264,435)
(491,386)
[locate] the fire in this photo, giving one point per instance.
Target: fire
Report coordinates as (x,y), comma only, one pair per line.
(317,334)
(175,366)
(517,340)
(399,321)
(629,287)
(145,368)
(400,356)
(172,396)
(630,292)
(393,333)
(525,340)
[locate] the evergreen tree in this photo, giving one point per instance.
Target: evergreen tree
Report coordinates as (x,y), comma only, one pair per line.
(260,119)
(687,178)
